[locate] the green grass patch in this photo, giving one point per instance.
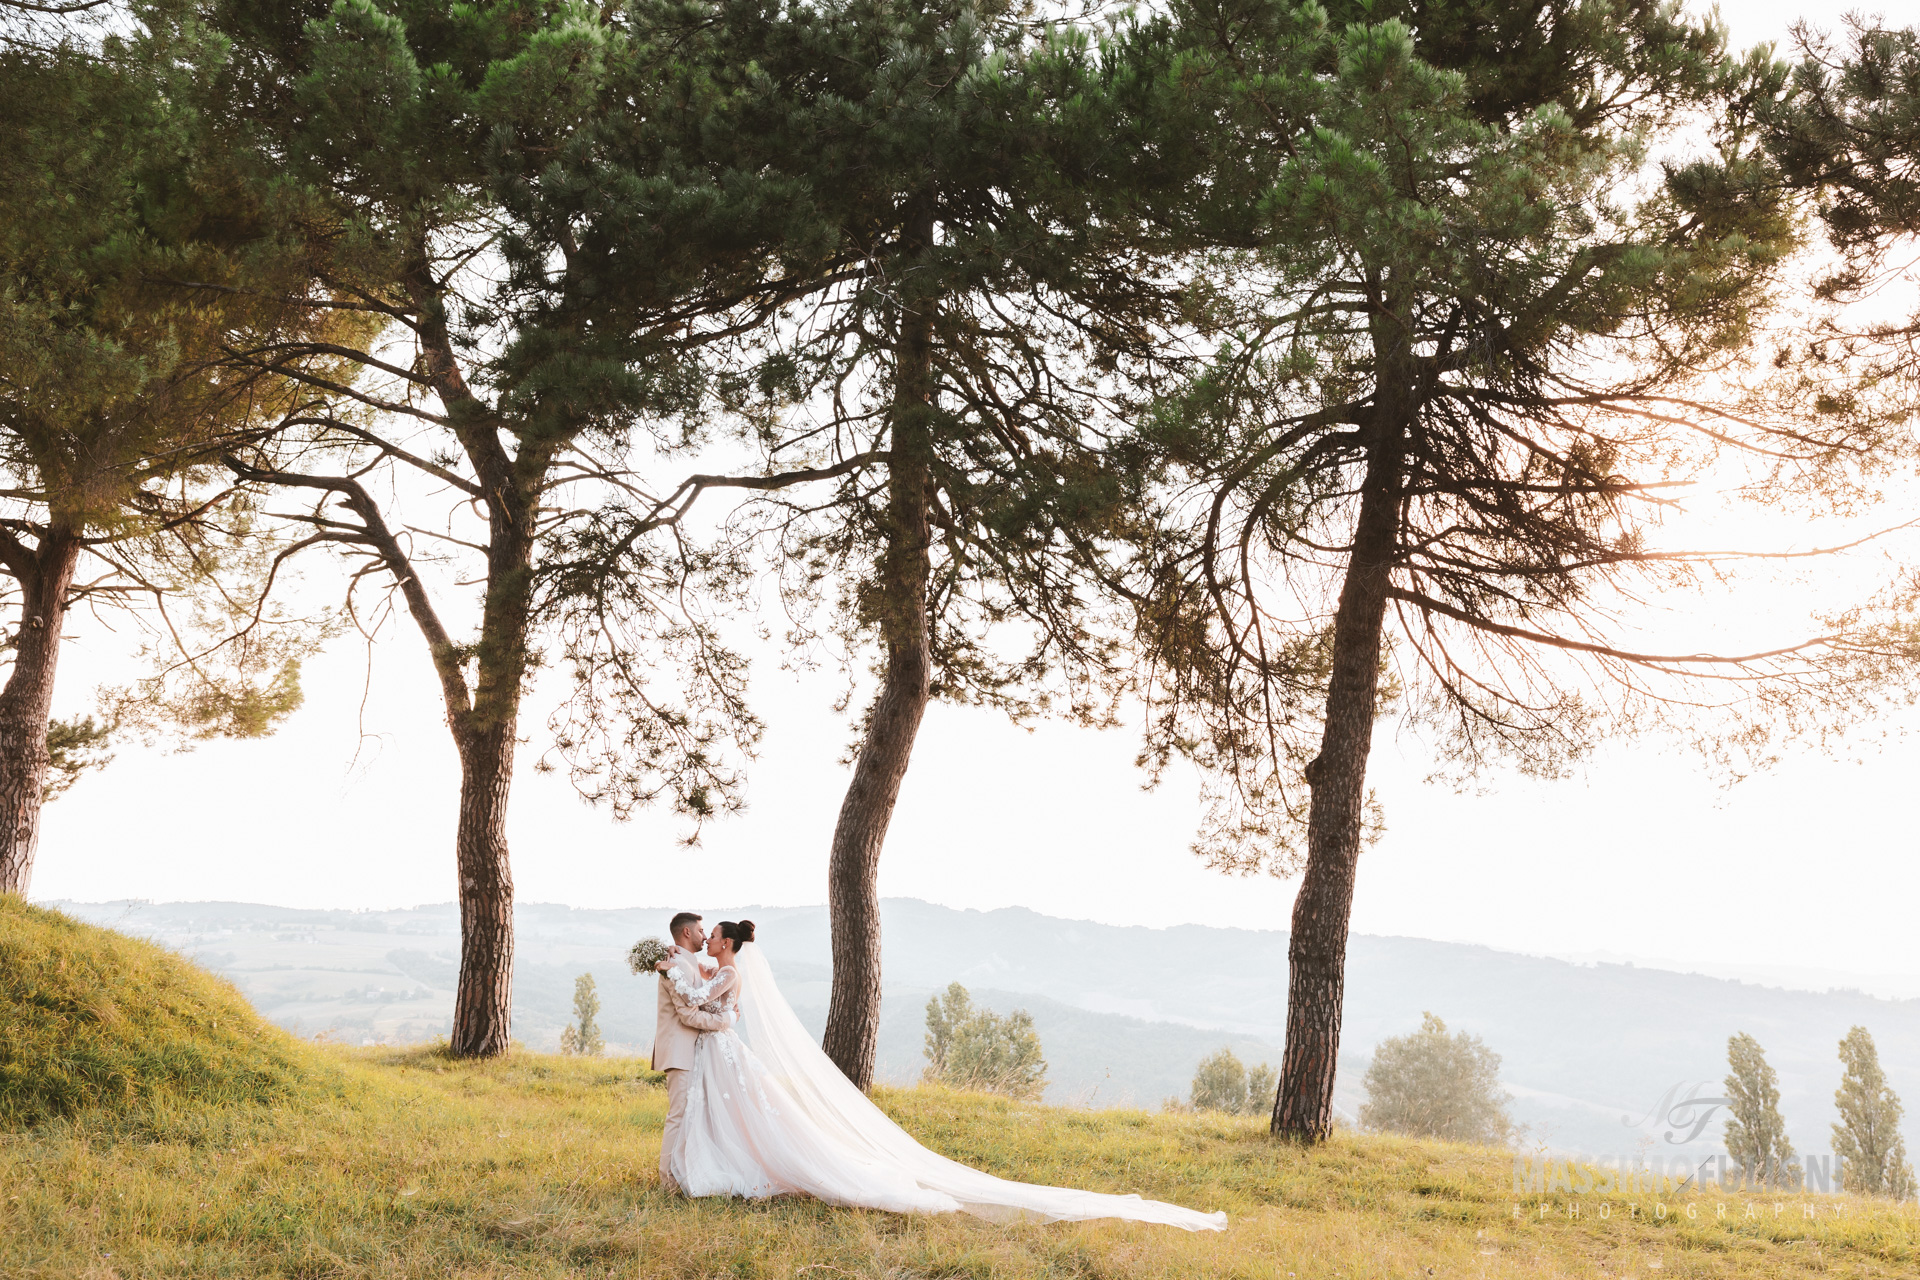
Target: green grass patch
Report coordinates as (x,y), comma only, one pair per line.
(406,1163)
(94,1021)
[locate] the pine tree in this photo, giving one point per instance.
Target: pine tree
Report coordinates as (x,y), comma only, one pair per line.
(582,1035)
(497,187)
(1867,1138)
(1457,366)
(1846,131)
(116,403)
(1435,1085)
(951,365)
(1756,1133)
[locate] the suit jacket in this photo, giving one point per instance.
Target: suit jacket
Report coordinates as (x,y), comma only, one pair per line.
(678,1024)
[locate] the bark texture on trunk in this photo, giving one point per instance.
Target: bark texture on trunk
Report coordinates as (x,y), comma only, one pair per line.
(483,1005)
(484,716)
(853,868)
(45,574)
(486,734)
(1317,950)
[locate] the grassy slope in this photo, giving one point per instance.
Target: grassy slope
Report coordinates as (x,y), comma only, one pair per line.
(545,1167)
(90,1018)
(406,1164)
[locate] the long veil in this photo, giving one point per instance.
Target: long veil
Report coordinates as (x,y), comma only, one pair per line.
(849,1117)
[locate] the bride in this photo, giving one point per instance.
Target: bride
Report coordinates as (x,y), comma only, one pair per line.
(769,1114)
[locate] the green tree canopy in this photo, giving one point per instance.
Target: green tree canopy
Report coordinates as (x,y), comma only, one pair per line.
(116,403)
(497,186)
(1846,127)
(977,291)
(1844,130)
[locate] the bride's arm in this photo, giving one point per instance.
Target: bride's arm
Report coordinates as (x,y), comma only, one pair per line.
(689,987)
(689,995)
(701,1020)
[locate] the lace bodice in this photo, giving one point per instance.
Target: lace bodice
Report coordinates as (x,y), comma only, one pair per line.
(718,994)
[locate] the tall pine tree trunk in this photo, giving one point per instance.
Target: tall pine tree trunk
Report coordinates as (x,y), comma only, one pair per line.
(486,720)
(26,703)
(483,1005)
(853,868)
(1317,951)
(486,736)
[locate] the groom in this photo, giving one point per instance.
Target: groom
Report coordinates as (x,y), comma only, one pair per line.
(675,1029)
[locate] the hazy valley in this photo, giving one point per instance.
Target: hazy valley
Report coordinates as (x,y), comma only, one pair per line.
(1125,1013)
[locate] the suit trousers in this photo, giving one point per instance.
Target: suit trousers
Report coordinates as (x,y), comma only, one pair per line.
(673,1133)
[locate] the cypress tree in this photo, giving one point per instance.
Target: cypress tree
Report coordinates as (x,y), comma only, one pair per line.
(582,1035)
(1867,1138)
(1756,1133)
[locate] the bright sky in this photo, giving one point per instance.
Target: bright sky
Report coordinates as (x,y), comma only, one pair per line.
(1812,867)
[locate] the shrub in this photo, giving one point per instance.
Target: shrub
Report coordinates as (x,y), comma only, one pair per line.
(1434,1085)
(1223,1084)
(969,1048)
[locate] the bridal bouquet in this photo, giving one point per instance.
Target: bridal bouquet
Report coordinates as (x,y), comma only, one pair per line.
(646,953)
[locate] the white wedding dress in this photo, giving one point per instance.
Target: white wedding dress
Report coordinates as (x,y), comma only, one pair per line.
(769,1114)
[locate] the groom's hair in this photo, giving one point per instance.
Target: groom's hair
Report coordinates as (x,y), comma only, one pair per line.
(680,922)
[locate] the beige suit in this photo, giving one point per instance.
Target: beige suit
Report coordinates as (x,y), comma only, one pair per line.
(677,1025)
(676,1028)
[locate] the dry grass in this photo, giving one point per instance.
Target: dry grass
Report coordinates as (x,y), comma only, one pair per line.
(152,1126)
(540,1166)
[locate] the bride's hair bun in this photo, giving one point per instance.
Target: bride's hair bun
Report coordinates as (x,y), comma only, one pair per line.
(739,932)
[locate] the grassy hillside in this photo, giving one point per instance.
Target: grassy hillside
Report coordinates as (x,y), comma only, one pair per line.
(91,1019)
(158,1129)
(227,1150)
(544,1167)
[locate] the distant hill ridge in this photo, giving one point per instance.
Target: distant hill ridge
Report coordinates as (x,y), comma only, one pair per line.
(1124,1012)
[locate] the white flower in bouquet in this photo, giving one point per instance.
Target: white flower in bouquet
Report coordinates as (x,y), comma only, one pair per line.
(647,953)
